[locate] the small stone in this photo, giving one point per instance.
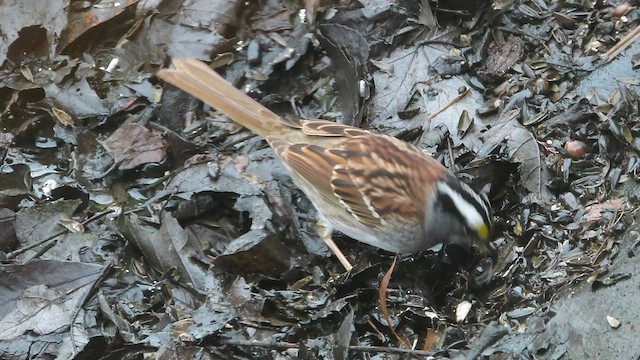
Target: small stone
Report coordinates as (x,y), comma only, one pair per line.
(613,322)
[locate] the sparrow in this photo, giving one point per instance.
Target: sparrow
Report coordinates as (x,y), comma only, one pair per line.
(373,188)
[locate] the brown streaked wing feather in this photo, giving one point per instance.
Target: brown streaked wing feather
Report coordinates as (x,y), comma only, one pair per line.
(330,129)
(391,175)
(351,196)
(310,164)
(326,174)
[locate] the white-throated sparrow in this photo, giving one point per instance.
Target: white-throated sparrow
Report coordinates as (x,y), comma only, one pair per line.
(373,188)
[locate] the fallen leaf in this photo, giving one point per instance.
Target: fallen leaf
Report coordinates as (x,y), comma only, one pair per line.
(594,212)
(132,145)
(522,148)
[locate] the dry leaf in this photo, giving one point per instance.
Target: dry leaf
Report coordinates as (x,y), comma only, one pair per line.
(594,212)
(382,294)
(72,225)
(64,118)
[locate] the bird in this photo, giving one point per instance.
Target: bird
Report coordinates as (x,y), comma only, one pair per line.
(374,188)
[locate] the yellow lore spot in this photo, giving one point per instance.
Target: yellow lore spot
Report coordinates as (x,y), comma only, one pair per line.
(483,231)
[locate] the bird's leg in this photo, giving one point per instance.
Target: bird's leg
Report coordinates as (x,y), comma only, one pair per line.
(324,231)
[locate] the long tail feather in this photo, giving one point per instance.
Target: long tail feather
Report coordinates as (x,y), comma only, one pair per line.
(199,80)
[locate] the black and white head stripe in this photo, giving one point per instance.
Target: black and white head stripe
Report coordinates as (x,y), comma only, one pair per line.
(472,207)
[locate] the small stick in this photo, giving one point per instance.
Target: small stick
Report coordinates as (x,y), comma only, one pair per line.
(450,103)
(52,237)
(287,345)
(622,44)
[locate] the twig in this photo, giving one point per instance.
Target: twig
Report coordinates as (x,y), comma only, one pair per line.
(447,105)
(52,237)
(622,44)
(288,345)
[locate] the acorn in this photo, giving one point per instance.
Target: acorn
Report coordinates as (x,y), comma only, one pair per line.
(620,10)
(576,149)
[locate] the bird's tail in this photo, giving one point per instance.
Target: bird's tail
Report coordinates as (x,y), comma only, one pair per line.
(199,80)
